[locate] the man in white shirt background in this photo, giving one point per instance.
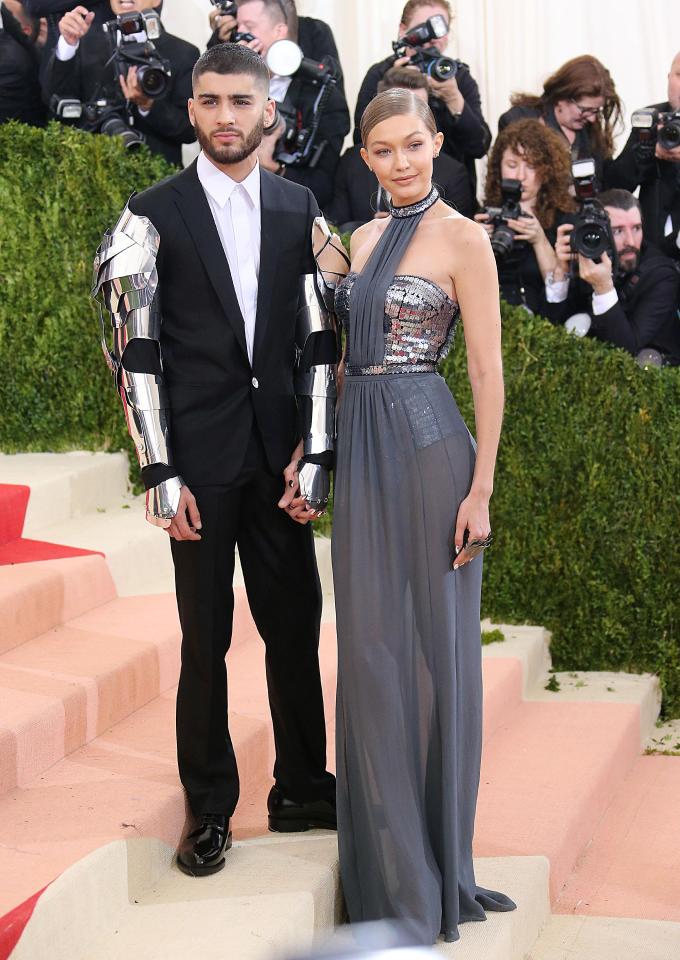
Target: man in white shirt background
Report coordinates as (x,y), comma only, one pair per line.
(79,69)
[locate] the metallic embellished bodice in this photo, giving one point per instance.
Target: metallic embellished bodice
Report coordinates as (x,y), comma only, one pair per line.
(419,324)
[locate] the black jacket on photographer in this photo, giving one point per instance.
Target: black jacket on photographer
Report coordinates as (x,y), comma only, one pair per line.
(659,182)
(53,11)
(20,97)
(646,310)
(87,77)
(520,280)
(356,189)
(333,128)
(466,137)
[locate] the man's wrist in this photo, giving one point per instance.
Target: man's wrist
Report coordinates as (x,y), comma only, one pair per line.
(601,288)
(66,51)
(455,105)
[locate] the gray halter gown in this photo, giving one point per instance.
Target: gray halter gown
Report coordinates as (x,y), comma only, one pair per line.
(409,699)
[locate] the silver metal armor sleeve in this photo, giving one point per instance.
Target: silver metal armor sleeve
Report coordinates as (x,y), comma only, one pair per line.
(125,287)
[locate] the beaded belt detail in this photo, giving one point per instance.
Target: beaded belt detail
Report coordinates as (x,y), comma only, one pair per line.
(381,368)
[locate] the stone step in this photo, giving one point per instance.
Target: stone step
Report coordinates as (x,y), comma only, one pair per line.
(36,597)
(65,485)
(65,687)
(606,938)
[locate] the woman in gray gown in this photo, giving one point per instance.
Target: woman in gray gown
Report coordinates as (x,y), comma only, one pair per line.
(409,483)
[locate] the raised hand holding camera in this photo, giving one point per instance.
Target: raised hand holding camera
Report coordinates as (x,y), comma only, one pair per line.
(75,24)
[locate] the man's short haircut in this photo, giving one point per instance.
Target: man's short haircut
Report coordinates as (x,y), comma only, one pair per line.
(620,199)
(403,79)
(280,11)
(231,58)
(413,5)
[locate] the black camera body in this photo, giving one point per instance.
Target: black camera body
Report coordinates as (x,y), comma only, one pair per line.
(503,240)
(99,116)
(592,233)
(153,72)
(227,8)
(428,60)
(653,126)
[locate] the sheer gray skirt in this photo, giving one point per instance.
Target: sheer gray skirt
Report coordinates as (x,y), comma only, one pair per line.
(409,702)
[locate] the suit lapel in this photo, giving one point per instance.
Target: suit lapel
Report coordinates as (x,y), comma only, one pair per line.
(195,211)
(265,285)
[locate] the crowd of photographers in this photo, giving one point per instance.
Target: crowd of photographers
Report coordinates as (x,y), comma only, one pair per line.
(571,239)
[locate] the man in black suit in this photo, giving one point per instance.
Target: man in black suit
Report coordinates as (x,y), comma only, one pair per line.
(358,197)
(79,69)
(634,307)
(269,21)
(19,64)
(455,103)
(216,293)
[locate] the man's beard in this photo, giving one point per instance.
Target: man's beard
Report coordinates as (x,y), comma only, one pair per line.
(629,258)
(231,152)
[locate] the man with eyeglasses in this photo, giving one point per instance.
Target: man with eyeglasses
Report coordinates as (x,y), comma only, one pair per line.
(655,169)
(268,21)
(580,102)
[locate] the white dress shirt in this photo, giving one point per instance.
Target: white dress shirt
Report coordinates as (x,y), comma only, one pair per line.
(278,87)
(236,211)
(557,291)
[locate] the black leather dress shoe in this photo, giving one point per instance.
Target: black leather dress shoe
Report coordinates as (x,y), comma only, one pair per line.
(203,850)
(286,816)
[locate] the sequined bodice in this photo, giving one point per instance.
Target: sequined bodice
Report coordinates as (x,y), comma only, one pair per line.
(419,322)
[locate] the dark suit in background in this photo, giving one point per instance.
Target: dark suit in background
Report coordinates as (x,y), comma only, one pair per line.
(20,96)
(233,430)
(356,188)
(86,77)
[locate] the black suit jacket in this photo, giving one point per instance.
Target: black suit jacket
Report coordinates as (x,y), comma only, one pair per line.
(356,188)
(20,97)
(215,395)
(646,313)
(86,76)
(465,138)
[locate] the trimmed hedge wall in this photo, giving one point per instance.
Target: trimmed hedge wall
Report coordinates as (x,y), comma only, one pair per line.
(586,508)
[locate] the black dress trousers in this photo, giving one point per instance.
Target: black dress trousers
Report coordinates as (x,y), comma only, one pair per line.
(284,593)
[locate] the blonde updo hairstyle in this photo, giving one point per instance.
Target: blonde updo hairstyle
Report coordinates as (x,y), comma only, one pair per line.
(394,103)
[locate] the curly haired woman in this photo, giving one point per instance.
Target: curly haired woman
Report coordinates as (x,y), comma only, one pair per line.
(534,155)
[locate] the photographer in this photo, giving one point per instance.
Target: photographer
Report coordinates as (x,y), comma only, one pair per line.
(533,157)
(634,304)
(651,160)
(358,197)
(268,21)
(81,69)
(579,101)
(20,40)
(53,10)
(314,37)
(455,102)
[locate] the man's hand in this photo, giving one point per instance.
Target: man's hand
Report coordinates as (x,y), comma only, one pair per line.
(295,506)
(265,152)
(187,521)
(133,92)
(74,25)
(672,156)
(257,45)
(224,25)
(598,275)
(449,92)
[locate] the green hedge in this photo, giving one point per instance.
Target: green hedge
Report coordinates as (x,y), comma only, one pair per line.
(586,507)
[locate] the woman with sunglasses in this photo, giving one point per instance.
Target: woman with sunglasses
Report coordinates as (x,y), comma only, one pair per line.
(580,102)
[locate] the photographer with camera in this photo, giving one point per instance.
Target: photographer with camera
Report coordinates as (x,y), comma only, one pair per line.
(651,160)
(129,76)
(21,39)
(527,196)
(454,95)
(304,142)
(314,37)
(358,196)
(612,284)
(579,101)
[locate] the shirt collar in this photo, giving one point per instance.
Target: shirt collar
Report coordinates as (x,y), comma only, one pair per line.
(220,185)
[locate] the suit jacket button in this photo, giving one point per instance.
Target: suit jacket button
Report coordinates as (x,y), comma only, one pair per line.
(255,382)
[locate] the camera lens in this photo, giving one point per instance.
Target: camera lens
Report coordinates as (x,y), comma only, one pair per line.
(669,135)
(116,127)
(442,68)
(590,240)
(152,80)
(502,241)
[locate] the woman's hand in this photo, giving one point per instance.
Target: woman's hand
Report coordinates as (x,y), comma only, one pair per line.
(528,228)
(473,515)
(483,218)
(563,251)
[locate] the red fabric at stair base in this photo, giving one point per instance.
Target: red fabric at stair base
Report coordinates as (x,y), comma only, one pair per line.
(12,925)
(26,551)
(13,501)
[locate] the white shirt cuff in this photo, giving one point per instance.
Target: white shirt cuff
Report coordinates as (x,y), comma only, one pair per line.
(65,51)
(604,301)
(143,113)
(556,291)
